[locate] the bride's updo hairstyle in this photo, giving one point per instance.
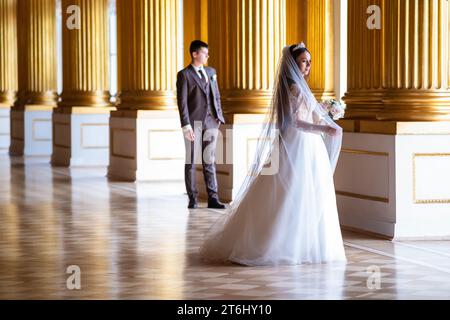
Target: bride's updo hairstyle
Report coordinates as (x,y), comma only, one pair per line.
(297,50)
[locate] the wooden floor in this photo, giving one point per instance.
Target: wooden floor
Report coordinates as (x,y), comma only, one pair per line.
(138,241)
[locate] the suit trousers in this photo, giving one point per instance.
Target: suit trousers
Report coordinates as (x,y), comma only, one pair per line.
(202,151)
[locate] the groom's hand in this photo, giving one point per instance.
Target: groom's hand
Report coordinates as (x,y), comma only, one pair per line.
(189,134)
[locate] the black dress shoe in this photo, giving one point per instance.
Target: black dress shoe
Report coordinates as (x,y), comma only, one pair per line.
(215,204)
(193,204)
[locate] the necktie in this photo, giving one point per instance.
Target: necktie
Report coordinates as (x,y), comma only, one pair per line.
(201,74)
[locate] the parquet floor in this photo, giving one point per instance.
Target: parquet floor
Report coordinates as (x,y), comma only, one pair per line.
(139,241)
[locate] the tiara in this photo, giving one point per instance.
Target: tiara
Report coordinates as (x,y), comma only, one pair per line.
(299,46)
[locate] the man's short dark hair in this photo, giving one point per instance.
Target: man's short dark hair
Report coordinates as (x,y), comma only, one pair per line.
(196,45)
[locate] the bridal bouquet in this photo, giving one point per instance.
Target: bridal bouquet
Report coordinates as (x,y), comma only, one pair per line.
(334,109)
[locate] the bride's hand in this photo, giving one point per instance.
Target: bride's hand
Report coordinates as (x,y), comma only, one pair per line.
(333,131)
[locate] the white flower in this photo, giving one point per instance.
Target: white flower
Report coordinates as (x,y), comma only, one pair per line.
(214,77)
(334,109)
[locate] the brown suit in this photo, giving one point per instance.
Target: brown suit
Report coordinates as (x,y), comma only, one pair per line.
(199,103)
(192,96)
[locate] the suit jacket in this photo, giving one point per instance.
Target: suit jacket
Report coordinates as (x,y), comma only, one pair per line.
(191,96)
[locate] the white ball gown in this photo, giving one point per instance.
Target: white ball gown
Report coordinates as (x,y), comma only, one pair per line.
(290,217)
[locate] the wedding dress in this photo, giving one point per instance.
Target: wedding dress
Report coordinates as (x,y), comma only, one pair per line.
(288,217)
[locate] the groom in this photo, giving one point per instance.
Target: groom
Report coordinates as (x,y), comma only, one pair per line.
(201,115)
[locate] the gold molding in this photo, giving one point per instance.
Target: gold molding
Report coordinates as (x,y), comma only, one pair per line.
(91,125)
(364,152)
(425,201)
(362,196)
(153,158)
(113,153)
(34,129)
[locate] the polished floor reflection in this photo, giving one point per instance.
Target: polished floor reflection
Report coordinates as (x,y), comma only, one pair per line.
(138,241)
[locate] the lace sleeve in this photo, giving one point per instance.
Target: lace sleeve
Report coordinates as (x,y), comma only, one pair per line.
(319,115)
(300,112)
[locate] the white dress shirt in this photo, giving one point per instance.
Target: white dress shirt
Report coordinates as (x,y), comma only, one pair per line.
(202,70)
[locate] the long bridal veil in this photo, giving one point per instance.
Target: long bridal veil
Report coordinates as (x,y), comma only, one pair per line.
(279,116)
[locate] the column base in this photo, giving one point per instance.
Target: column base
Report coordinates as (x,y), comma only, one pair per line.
(146,145)
(392,179)
(81,136)
(31,131)
(235,154)
(5,128)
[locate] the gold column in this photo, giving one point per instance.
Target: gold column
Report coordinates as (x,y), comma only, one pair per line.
(320,41)
(37,52)
(296,21)
(86,56)
(417,61)
(8,52)
(246,38)
(147,53)
(195,24)
(366,67)
(312,21)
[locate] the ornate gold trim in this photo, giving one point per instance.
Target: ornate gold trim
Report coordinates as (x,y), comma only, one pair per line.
(362,196)
(371,153)
(425,201)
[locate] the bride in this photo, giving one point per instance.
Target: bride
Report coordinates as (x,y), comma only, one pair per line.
(287,216)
